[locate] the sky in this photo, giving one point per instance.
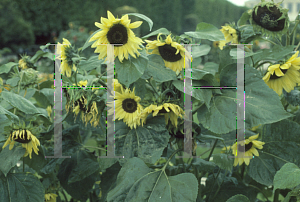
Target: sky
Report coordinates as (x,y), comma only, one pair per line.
(238,2)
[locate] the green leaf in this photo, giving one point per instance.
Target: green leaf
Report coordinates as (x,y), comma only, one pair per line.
(161,30)
(92,63)
(287,177)
(223,161)
(144,18)
(131,70)
(13,81)
(80,189)
(49,94)
(21,187)
(136,182)
(87,43)
(147,142)
(9,158)
(238,198)
(198,51)
(292,97)
(211,67)
(156,68)
(202,165)
(244,18)
(10,115)
(20,103)
(5,68)
(206,31)
(87,164)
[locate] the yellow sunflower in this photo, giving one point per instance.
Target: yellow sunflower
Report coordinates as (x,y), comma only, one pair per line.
(286,76)
(171,52)
(65,52)
(250,149)
(50,197)
(22,64)
(28,140)
(127,107)
(81,83)
(230,35)
(171,114)
(91,114)
(117,31)
(148,110)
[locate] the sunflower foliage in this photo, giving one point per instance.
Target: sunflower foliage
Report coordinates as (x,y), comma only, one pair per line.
(150,117)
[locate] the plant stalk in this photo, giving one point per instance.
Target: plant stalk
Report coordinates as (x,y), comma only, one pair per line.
(212,150)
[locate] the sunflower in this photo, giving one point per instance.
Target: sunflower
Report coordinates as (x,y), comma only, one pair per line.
(250,149)
(171,114)
(269,18)
(117,31)
(91,114)
(230,34)
(50,197)
(148,110)
(28,140)
(25,62)
(171,52)
(81,83)
(286,75)
(66,53)
(127,107)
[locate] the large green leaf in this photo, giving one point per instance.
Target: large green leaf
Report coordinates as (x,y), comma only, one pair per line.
(20,103)
(156,32)
(5,68)
(202,165)
(223,161)
(21,187)
(206,31)
(8,114)
(92,63)
(136,182)
(147,142)
(87,164)
(238,198)
(9,158)
(287,177)
(262,103)
(144,18)
(201,50)
(156,68)
(131,70)
(80,189)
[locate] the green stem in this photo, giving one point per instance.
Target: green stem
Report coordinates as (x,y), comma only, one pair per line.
(278,41)
(287,38)
(63,193)
(258,65)
(220,185)
(15,109)
(276,196)
(164,168)
(297,46)
(76,77)
(23,165)
(153,88)
(250,185)
(269,41)
(102,82)
(212,150)
(243,170)
(215,180)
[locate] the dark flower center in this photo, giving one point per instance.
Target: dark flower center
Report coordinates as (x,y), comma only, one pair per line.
(167,52)
(276,77)
(247,147)
(268,18)
(117,34)
(162,110)
(25,140)
(129,105)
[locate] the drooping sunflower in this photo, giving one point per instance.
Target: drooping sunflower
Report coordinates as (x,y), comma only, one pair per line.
(81,83)
(250,149)
(231,36)
(50,197)
(117,31)
(148,110)
(66,53)
(172,114)
(284,76)
(28,140)
(171,52)
(91,114)
(25,62)
(127,107)
(269,18)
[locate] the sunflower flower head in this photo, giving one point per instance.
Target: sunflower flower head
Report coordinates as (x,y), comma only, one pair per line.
(118,32)
(171,112)
(50,197)
(171,52)
(23,135)
(66,51)
(81,83)
(269,18)
(284,76)
(25,62)
(127,107)
(231,35)
(251,146)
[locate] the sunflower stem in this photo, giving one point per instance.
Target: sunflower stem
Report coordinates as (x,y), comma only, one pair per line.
(63,193)
(297,46)
(212,150)
(170,158)
(276,196)
(220,185)
(269,41)
(287,38)
(215,180)
(258,65)
(242,170)
(23,165)
(250,185)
